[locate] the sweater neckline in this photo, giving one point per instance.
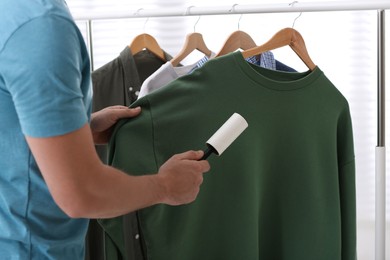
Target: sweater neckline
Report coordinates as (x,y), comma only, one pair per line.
(274,79)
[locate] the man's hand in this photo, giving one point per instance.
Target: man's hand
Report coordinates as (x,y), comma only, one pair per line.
(181,177)
(103,121)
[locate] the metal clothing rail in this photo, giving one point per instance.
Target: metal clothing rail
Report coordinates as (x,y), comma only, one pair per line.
(380,150)
(241,9)
(379,5)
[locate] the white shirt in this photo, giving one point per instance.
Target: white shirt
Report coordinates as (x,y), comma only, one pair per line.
(167,73)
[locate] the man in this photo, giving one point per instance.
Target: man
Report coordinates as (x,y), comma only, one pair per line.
(51,179)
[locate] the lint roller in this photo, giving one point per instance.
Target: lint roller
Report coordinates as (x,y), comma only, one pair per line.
(225,135)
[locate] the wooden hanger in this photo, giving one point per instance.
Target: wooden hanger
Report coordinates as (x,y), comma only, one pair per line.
(286,36)
(235,41)
(194,41)
(146,41)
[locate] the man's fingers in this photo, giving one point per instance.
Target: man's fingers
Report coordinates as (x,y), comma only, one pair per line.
(190,155)
(195,156)
(125,113)
(117,107)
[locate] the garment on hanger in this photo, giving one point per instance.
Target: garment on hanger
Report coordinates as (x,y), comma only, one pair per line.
(167,73)
(284,37)
(265,60)
(194,41)
(118,83)
(268,61)
(238,40)
(146,41)
(283,67)
(285,189)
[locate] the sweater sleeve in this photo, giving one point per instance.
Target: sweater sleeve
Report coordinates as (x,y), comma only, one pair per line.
(131,147)
(347,186)
(348,211)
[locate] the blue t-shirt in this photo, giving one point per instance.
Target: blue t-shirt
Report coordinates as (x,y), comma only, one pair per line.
(45,90)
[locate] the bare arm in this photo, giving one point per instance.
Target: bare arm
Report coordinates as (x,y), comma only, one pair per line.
(82,186)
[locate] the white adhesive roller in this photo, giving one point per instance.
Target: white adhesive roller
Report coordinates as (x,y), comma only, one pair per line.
(225,135)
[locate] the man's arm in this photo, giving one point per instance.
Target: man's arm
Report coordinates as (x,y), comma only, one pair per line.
(84,187)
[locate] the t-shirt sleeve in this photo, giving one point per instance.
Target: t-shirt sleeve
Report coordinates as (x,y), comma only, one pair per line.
(44,76)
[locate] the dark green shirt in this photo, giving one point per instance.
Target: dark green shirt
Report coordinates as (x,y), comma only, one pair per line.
(118,83)
(285,189)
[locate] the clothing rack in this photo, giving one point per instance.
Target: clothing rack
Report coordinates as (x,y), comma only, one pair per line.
(242,9)
(379,5)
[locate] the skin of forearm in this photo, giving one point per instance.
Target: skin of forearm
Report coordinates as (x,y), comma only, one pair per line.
(83,187)
(113,193)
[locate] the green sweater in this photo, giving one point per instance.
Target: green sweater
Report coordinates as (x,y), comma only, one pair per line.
(285,189)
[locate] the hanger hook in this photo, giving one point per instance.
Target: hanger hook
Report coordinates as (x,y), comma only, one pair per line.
(233,10)
(296,18)
(146,21)
(238,23)
(188,10)
(196,23)
(137,13)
